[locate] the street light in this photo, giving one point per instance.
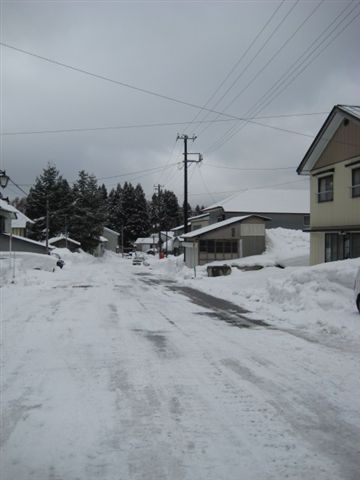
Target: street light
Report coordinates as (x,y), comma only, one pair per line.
(3,179)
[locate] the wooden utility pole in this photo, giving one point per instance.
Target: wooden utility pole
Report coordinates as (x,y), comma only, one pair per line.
(158,189)
(47,225)
(186,162)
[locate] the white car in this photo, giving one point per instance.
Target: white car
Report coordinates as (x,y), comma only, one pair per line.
(357,290)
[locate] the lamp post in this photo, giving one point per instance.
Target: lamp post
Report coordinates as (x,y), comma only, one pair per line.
(4,179)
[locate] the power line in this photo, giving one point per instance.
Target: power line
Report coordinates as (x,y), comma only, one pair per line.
(264,44)
(249,169)
(238,62)
(17,186)
(253,110)
(272,58)
(150,125)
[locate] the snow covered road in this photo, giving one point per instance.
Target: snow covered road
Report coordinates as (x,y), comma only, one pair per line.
(107,376)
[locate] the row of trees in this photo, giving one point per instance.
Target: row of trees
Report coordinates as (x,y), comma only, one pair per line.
(82,210)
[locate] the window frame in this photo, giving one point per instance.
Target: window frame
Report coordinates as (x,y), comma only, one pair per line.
(355,188)
(328,194)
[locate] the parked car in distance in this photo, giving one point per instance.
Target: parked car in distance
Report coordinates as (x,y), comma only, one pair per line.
(151,251)
(357,290)
(137,259)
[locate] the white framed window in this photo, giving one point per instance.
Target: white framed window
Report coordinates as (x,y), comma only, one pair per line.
(355,182)
(326,188)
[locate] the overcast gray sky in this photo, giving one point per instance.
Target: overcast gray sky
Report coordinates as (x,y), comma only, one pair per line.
(183,50)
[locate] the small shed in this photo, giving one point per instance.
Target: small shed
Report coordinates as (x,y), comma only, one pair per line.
(232,238)
(64,241)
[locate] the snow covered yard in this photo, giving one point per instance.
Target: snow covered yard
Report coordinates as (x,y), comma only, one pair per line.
(107,374)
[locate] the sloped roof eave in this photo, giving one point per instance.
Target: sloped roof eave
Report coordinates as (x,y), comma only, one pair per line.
(337,109)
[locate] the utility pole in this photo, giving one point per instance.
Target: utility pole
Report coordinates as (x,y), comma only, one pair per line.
(158,190)
(47,225)
(186,162)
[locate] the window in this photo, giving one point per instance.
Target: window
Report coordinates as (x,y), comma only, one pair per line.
(234,246)
(203,246)
(227,247)
(332,247)
(325,188)
(355,182)
(219,247)
(306,220)
(233,232)
(211,246)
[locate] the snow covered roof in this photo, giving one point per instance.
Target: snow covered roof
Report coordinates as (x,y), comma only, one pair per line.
(196,217)
(21,220)
(146,240)
(266,201)
(216,226)
(28,240)
(103,239)
(175,229)
(107,229)
(5,207)
(325,134)
(63,237)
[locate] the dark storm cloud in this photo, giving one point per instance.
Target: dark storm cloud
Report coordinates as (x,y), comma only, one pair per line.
(179,49)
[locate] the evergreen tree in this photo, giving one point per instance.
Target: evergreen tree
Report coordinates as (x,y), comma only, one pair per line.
(51,190)
(115,211)
(89,212)
(134,210)
(164,209)
(103,192)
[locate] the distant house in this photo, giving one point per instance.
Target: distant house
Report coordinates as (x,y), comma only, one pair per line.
(20,225)
(285,208)
(15,243)
(231,238)
(112,239)
(142,244)
(64,241)
(333,164)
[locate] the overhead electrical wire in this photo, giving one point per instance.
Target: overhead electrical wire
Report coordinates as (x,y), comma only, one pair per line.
(264,44)
(270,60)
(150,125)
(238,62)
(253,111)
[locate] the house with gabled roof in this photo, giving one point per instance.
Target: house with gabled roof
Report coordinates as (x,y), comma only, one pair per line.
(232,238)
(333,165)
(285,208)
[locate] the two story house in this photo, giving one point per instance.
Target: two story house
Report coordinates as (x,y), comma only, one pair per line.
(333,164)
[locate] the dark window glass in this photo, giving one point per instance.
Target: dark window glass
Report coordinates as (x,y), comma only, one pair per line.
(325,188)
(211,246)
(334,247)
(233,232)
(355,184)
(306,220)
(355,245)
(219,247)
(234,246)
(227,247)
(203,246)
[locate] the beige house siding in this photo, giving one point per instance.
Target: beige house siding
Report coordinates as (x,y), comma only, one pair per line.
(317,248)
(343,210)
(344,145)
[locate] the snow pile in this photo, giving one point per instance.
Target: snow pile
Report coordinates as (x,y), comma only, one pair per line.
(288,247)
